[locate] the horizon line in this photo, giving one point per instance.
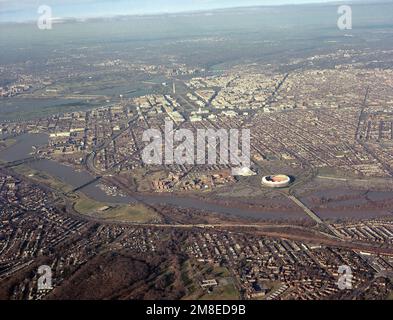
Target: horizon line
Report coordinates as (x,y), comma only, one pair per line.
(66,19)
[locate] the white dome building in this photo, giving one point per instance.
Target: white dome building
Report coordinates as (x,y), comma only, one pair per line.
(243,172)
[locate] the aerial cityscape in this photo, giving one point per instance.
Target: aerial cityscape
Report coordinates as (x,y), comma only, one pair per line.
(221,152)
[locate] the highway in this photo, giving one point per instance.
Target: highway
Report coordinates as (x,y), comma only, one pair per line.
(90,158)
(358,139)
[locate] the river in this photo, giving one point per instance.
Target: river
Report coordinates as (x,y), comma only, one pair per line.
(24,147)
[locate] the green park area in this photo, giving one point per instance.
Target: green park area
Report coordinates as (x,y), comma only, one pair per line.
(137,213)
(193,273)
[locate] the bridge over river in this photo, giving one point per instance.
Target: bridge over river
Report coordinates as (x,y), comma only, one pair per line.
(19,162)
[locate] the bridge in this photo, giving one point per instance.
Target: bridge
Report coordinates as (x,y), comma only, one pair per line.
(314,216)
(86,184)
(16,163)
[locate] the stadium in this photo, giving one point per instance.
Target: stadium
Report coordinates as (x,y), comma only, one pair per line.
(278,181)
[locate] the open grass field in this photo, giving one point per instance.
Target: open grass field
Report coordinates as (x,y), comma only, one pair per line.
(137,213)
(43,178)
(193,274)
(222,292)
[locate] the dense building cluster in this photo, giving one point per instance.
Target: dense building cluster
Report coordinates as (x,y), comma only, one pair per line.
(284,269)
(312,122)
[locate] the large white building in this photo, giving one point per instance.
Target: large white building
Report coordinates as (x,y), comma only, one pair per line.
(279,181)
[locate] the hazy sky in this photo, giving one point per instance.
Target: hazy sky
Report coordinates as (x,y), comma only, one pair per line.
(20,10)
